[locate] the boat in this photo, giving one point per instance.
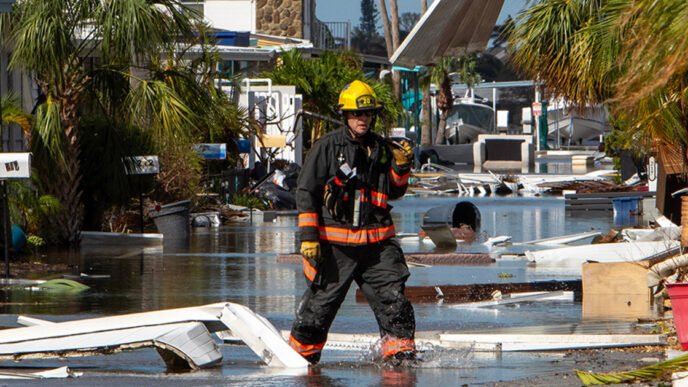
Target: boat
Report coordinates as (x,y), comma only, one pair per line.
(568,125)
(468,118)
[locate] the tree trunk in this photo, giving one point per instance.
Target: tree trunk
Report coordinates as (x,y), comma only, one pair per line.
(386,28)
(426,131)
(441,128)
(445,101)
(394,10)
(426,119)
(66,182)
(391,31)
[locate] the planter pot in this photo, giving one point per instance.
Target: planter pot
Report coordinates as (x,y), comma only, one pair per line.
(678,293)
(172,220)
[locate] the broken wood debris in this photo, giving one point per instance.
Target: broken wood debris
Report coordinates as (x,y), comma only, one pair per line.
(420,258)
(481,292)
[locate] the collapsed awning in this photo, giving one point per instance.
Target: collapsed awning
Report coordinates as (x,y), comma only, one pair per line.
(448,28)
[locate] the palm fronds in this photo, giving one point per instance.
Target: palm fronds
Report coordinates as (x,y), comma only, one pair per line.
(648,373)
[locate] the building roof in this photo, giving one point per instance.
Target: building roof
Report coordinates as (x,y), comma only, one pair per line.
(265,48)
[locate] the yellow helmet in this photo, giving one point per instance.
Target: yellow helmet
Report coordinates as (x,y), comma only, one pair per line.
(358,95)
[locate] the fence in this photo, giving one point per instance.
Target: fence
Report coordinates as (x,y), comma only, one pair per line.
(332,35)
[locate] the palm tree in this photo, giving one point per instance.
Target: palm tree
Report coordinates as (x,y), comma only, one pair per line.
(392,37)
(78,49)
(445,98)
(570,46)
(629,55)
(320,80)
(654,85)
(11,113)
(464,67)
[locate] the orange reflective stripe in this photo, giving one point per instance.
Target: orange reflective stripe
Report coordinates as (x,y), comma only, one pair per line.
(305,349)
(399,180)
(308,270)
(356,237)
(308,219)
(392,345)
(379,199)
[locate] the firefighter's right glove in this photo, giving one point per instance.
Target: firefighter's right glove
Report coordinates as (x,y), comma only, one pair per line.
(310,250)
(404,154)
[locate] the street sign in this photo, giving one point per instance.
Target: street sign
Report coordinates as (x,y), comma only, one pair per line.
(652,169)
(212,151)
(141,165)
(537,109)
(15,166)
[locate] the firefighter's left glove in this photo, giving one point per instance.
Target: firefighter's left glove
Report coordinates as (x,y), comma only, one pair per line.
(333,202)
(310,250)
(403,155)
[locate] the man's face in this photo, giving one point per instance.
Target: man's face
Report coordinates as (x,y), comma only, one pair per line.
(359,121)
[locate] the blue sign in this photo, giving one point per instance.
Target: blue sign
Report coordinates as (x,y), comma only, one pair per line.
(6,5)
(243,145)
(212,151)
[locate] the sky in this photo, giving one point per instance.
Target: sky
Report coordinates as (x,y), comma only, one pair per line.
(350,10)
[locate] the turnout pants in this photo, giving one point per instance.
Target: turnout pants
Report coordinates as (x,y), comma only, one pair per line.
(380,271)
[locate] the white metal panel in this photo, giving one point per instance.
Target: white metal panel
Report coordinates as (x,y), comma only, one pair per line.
(544,342)
(191,341)
(261,337)
(206,313)
(194,341)
(232,15)
(448,28)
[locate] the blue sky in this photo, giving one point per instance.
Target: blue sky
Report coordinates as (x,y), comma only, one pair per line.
(350,10)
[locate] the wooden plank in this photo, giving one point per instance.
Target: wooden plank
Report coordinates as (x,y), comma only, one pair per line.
(609,195)
(420,258)
(574,202)
(480,292)
(591,207)
(545,342)
(515,298)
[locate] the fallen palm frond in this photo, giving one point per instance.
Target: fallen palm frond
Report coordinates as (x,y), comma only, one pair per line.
(654,371)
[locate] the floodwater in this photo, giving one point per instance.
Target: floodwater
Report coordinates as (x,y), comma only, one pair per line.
(238,264)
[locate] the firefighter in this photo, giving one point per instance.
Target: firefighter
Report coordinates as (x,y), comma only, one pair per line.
(347,232)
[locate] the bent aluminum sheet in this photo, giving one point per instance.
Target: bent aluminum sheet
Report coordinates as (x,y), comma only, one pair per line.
(190,341)
(575,256)
(448,28)
(184,332)
(55,373)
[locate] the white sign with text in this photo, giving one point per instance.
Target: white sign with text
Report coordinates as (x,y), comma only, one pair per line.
(15,166)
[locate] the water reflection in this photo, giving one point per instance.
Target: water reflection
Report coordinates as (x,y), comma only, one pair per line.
(238,263)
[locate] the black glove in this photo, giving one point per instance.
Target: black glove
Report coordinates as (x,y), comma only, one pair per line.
(333,199)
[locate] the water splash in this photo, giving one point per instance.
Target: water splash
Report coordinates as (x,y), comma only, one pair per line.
(428,356)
